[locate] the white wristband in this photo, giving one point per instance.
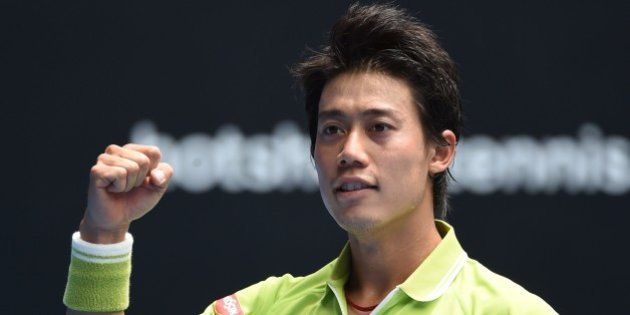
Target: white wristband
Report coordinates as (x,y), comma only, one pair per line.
(101,253)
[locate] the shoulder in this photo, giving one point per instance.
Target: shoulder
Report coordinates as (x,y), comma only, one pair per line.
(288,286)
(266,293)
(487,292)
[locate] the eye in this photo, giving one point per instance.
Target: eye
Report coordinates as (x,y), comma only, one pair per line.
(380,127)
(331,130)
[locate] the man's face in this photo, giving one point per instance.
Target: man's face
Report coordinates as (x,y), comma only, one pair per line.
(370,151)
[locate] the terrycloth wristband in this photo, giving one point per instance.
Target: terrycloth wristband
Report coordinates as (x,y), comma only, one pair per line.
(98,277)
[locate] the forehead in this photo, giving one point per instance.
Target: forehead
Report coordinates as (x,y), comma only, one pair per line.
(359,91)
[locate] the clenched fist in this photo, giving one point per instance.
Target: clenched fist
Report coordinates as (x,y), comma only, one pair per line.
(125,183)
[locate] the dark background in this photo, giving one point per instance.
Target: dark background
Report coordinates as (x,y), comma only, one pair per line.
(77,75)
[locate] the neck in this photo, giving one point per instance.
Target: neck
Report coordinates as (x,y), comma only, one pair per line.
(385,258)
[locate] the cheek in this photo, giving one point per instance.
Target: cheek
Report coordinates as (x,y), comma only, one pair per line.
(406,174)
(324,176)
(322,165)
(317,159)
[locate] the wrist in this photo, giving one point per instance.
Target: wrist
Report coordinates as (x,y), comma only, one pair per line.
(98,276)
(96,235)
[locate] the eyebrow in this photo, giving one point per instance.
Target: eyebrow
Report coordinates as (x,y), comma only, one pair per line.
(372,112)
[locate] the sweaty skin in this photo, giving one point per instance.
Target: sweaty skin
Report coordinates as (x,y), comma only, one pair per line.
(369,133)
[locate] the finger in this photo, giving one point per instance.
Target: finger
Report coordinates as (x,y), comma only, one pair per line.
(143,161)
(161,175)
(131,167)
(152,152)
(120,183)
(111,177)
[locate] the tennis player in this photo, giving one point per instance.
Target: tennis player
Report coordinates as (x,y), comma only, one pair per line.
(384,117)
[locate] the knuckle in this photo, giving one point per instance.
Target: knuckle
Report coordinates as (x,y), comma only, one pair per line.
(144,161)
(121,172)
(155,151)
(95,170)
(111,148)
(134,167)
(102,157)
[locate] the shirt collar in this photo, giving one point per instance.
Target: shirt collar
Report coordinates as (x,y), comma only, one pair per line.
(430,280)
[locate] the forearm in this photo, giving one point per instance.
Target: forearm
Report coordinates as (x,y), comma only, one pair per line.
(125,183)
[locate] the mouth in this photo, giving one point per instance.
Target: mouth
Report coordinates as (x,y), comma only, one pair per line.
(354,192)
(354,186)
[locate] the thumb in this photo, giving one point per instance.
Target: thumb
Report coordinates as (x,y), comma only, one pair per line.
(161,175)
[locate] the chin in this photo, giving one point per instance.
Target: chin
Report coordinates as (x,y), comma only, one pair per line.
(356,223)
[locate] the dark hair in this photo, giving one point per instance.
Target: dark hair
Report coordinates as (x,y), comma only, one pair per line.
(385,38)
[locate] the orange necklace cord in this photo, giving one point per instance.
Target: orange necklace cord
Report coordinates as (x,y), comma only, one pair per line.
(360,308)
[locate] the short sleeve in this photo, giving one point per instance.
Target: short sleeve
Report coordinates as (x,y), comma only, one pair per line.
(257,297)
(532,305)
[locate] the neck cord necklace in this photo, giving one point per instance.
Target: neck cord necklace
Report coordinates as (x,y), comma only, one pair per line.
(360,308)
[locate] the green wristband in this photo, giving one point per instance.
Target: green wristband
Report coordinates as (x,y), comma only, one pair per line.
(98,277)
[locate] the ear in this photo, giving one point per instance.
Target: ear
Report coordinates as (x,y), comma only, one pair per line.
(443,155)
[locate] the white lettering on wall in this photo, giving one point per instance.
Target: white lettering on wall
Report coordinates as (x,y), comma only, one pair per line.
(258,163)
(280,161)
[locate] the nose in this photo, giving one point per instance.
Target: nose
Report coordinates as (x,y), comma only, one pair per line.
(352,153)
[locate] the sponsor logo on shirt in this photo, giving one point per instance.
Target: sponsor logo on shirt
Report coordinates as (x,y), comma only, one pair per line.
(228,306)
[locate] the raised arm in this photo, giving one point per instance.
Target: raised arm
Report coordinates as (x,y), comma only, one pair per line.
(125,184)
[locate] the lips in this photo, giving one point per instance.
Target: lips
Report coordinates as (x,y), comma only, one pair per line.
(352,191)
(349,184)
(353,186)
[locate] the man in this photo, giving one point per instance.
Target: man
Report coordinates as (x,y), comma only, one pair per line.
(384,119)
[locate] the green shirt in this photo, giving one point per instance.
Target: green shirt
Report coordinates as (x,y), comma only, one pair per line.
(447,282)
